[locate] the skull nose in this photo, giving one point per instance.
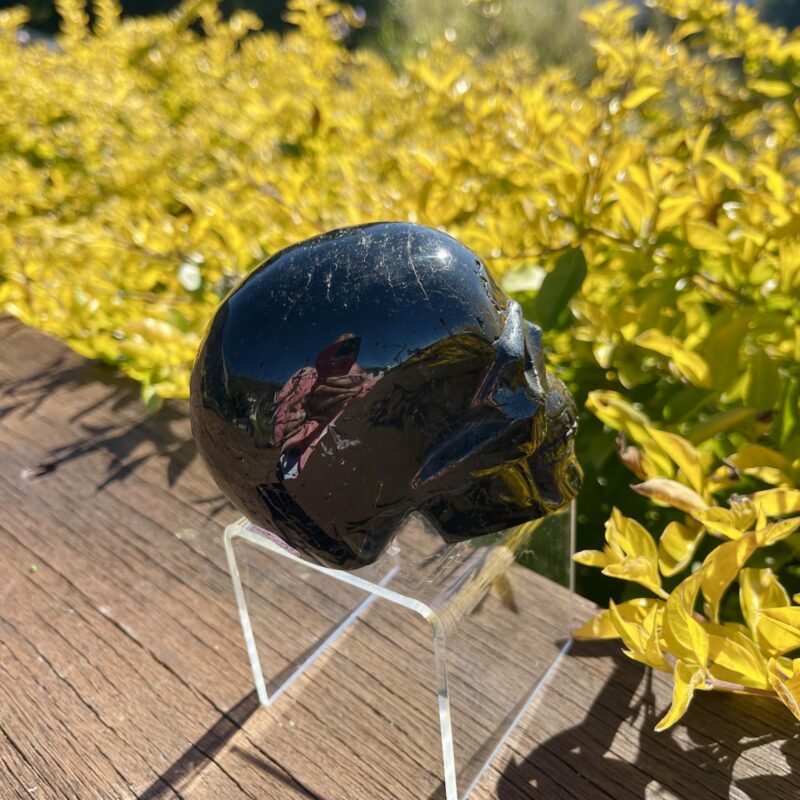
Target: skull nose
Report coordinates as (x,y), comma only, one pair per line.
(515,367)
(512,385)
(534,354)
(508,420)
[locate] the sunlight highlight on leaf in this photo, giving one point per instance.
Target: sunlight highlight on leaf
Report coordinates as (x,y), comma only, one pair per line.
(671,493)
(686,678)
(684,635)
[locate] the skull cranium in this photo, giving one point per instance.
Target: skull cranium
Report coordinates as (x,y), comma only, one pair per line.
(372,372)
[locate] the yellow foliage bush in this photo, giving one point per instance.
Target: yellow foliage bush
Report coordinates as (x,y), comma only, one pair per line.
(650,220)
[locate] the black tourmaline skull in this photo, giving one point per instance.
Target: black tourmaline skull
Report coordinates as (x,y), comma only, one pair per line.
(371,372)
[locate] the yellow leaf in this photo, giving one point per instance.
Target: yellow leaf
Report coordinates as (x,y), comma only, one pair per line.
(777,502)
(683,634)
(770,475)
(771,88)
(641,638)
(689,364)
(677,545)
(634,204)
(705,182)
(674,208)
(631,634)
(638,96)
(637,569)
(631,536)
(722,565)
(759,589)
(592,558)
(654,657)
(636,461)
(774,180)
(736,659)
(725,168)
(601,626)
(632,552)
(779,629)
(752,456)
(686,679)
(504,589)
(704,236)
(722,521)
(777,531)
(700,144)
(687,28)
(671,493)
(615,411)
(742,512)
(723,478)
(786,684)
(683,454)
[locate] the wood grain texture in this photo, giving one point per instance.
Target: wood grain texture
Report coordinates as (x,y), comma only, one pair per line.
(123,673)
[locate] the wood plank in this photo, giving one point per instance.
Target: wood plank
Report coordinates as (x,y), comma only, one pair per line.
(123,673)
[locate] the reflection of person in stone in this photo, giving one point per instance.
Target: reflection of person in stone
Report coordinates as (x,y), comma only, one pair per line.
(313,398)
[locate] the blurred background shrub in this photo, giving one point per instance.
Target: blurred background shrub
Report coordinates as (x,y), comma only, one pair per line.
(630,174)
(398,26)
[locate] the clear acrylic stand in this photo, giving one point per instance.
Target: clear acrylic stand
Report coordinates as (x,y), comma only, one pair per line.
(493,617)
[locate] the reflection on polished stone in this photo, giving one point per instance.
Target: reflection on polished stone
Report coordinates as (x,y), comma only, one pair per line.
(371,372)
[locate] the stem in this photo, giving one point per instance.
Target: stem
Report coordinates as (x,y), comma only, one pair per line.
(728,686)
(724,686)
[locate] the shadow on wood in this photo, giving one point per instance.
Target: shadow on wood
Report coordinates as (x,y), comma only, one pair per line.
(719,729)
(188,767)
(116,423)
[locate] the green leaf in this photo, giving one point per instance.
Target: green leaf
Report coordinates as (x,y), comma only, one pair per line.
(152,401)
(764,384)
(721,350)
(720,423)
(789,423)
(565,279)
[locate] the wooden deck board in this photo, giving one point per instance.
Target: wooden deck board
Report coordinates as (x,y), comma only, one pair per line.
(123,673)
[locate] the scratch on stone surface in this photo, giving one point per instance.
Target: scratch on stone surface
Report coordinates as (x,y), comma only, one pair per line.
(414,269)
(300,296)
(328,278)
(388,268)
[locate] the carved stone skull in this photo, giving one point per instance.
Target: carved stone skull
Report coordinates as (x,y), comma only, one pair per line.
(372,372)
